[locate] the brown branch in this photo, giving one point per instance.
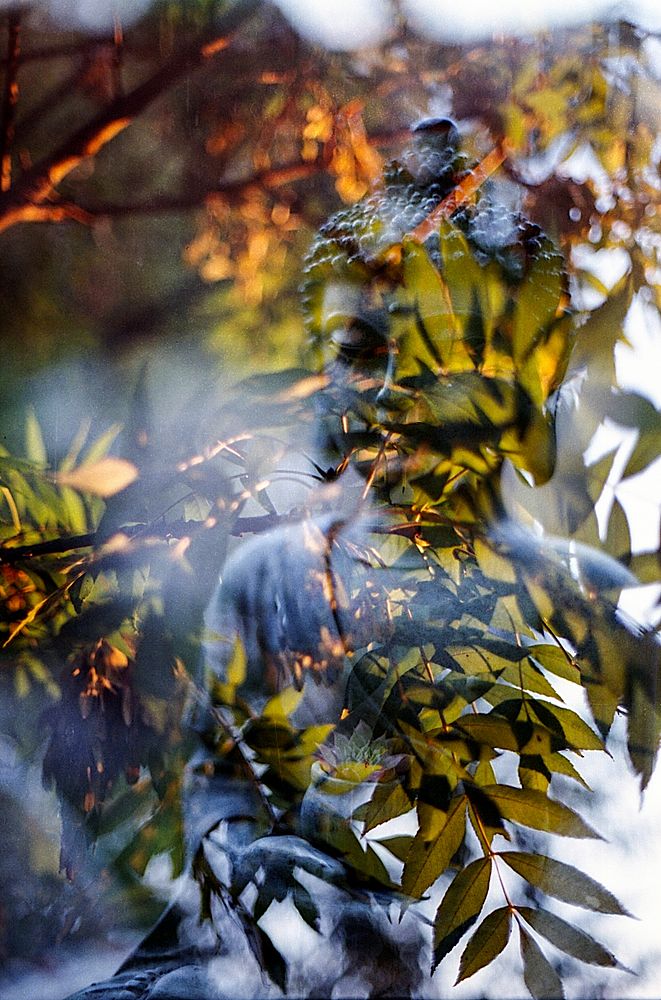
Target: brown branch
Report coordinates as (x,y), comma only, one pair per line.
(460,194)
(231,191)
(9,98)
(39,183)
(11,554)
(61,51)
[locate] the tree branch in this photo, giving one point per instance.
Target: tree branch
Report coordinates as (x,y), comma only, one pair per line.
(9,98)
(231,191)
(12,554)
(37,184)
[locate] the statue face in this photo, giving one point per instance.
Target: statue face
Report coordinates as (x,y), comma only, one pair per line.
(441,354)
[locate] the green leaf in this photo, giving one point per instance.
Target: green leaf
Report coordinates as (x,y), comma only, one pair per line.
(306,906)
(569,939)
(600,332)
(99,449)
(35,449)
(425,862)
(495,732)
(562,881)
(486,943)
(431,342)
(399,846)
(645,452)
(578,734)
(237,665)
(492,564)
(537,303)
(74,510)
(539,975)
(388,801)
(558,764)
(556,660)
(281,705)
(646,566)
(534,809)
(618,535)
(460,907)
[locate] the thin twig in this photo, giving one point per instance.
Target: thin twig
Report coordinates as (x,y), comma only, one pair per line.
(270,178)
(10,98)
(39,183)
(460,194)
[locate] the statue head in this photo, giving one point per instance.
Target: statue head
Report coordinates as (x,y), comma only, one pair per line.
(444,347)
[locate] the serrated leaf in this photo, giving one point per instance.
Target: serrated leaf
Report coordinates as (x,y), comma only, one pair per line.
(460,907)
(578,734)
(539,975)
(536,810)
(426,862)
(486,943)
(563,881)
(567,938)
(388,801)
(561,765)
(495,732)
(553,658)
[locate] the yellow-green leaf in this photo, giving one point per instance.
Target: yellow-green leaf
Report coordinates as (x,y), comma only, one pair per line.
(460,907)
(534,809)
(425,862)
(578,734)
(281,705)
(556,660)
(495,732)
(388,801)
(35,449)
(486,943)
(103,478)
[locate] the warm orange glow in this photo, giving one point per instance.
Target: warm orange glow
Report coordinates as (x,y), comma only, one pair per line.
(461,194)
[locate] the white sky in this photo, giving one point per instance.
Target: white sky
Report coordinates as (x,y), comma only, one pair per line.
(352,24)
